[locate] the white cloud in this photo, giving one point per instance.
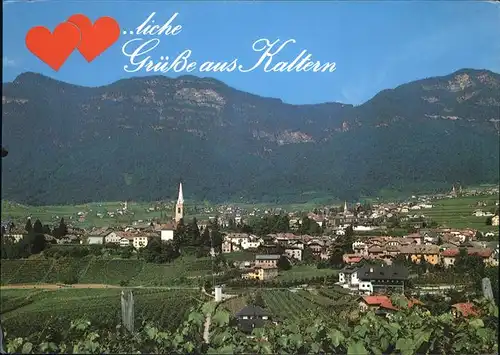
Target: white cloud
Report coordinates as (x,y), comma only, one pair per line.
(7,62)
(6,2)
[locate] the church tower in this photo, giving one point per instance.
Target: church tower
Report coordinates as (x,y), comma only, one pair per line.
(346,211)
(179,207)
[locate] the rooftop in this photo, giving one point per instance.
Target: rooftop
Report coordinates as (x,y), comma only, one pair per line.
(393,272)
(252,311)
(466,309)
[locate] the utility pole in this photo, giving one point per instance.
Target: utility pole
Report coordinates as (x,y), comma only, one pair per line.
(127,301)
(2,351)
(487,291)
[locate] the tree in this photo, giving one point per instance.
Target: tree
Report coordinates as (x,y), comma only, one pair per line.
(28,227)
(284,263)
(180,234)
(205,238)
(489,221)
(193,233)
(309,226)
(336,257)
(37,227)
(37,243)
(152,252)
(349,231)
(307,255)
(257,300)
(126,253)
(217,239)
(470,264)
(232,225)
(61,230)
(46,229)
(268,224)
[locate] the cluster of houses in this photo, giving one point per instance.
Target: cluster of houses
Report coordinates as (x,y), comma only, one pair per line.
(292,244)
(137,236)
(436,248)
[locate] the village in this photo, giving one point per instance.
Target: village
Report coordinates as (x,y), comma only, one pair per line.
(374,251)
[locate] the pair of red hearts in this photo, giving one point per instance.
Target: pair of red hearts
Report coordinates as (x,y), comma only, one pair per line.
(78,32)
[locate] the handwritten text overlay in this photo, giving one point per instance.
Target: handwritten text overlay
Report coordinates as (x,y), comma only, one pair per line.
(140,53)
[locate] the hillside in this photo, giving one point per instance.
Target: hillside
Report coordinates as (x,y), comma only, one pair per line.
(136,138)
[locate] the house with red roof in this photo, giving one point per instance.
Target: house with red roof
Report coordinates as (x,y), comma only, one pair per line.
(449,256)
(382,304)
(466,309)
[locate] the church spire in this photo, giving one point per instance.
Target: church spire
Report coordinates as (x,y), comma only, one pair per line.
(179,207)
(181,197)
(345,207)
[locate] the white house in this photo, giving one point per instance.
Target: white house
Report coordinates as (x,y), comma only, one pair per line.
(363,228)
(15,237)
(124,242)
(112,237)
(167,235)
(242,241)
(252,242)
(140,241)
(340,231)
(95,239)
(294,253)
(360,247)
(348,277)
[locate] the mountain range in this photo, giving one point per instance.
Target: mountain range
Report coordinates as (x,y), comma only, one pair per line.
(135,139)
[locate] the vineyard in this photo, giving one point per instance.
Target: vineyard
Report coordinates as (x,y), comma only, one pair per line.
(408,331)
(100,271)
(297,304)
(27,311)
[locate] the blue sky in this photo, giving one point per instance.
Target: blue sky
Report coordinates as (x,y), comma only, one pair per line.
(375,45)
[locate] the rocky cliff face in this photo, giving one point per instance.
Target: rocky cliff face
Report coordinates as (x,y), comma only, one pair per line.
(230,144)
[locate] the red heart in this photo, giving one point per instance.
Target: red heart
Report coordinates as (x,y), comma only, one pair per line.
(95,38)
(53,48)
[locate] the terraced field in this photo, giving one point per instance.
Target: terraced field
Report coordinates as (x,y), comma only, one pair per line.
(28,311)
(90,270)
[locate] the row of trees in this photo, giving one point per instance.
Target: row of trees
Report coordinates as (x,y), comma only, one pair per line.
(33,242)
(58,231)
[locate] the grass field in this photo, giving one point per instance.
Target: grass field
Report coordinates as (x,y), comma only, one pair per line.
(27,311)
(91,270)
(457,212)
(52,214)
(304,272)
